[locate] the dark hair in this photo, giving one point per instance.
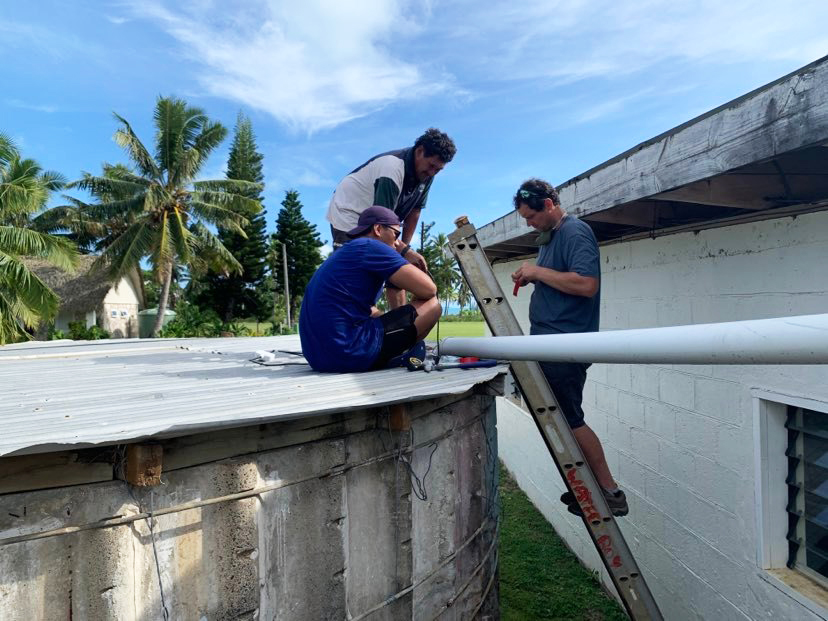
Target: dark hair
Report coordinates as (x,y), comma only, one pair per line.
(435,142)
(533,191)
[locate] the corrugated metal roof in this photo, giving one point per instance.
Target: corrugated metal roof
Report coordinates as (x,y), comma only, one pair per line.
(60,394)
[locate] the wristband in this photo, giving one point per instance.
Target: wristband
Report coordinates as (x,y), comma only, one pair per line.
(404,250)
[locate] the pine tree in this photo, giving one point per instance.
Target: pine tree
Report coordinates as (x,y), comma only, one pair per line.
(303,249)
(246,294)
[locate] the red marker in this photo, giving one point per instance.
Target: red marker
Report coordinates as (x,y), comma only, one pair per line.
(515,290)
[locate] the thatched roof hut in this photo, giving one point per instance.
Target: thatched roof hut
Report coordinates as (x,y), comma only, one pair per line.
(83,291)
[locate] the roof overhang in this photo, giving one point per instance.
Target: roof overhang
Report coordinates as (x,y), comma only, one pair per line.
(763,155)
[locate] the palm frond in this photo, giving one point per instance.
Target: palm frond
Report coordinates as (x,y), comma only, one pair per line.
(163,252)
(212,134)
(108,188)
(228,200)
(211,253)
(138,153)
(219,216)
(179,236)
(8,149)
(126,251)
(53,180)
(26,242)
(27,296)
(228,185)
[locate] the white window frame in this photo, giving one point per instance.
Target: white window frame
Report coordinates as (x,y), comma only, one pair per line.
(771,491)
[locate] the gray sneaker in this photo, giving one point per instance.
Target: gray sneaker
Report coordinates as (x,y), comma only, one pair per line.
(617,503)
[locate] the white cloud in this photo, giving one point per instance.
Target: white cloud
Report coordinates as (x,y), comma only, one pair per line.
(577,39)
(313,64)
(17,103)
(326,249)
(317,64)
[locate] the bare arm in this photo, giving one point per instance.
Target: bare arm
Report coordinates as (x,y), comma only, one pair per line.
(567,282)
(409,226)
(414,280)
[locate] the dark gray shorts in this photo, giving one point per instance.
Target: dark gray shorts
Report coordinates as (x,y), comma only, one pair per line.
(338,238)
(567,379)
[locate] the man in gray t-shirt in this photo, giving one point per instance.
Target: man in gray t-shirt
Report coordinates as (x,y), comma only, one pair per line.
(566,299)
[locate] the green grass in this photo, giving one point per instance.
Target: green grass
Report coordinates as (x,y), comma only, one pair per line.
(457,328)
(540,579)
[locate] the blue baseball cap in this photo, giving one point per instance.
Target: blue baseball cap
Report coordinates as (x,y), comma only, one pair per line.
(371,216)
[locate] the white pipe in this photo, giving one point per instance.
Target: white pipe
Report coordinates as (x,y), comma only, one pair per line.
(784,340)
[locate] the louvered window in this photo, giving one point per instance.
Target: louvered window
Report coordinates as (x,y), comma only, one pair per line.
(807,481)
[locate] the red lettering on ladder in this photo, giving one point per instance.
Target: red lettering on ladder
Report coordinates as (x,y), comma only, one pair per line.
(582,495)
(605,543)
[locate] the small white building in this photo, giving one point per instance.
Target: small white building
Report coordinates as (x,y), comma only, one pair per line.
(92,297)
(725,467)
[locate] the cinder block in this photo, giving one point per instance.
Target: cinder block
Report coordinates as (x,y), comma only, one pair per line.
(642,313)
(697,433)
(674,310)
(618,434)
(644,447)
(735,448)
(598,373)
(631,474)
(719,485)
(590,397)
(676,389)
(660,493)
(631,409)
(611,455)
(700,516)
(677,463)
(644,380)
(607,399)
(660,419)
(718,399)
(618,375)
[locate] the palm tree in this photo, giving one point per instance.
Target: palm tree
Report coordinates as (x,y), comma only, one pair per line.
(162,209)
(24,190)
(443,268)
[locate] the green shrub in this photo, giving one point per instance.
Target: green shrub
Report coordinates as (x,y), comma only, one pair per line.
(79,332)
(53,334)
(191,321)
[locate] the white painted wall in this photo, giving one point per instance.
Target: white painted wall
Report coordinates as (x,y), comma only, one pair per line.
(684,441)
(120,310)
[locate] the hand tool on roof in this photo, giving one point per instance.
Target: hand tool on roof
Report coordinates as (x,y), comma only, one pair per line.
(429,364)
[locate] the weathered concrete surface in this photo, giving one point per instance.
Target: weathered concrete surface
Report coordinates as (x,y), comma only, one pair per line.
(345,536)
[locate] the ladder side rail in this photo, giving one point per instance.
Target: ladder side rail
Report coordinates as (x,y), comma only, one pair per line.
(555,432)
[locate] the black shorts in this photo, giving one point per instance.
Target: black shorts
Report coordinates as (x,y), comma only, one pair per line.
(399,336)
(567,379)
(338,238)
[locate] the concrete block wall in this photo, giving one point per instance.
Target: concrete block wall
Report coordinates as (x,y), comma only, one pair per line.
(335,531)
(681,439)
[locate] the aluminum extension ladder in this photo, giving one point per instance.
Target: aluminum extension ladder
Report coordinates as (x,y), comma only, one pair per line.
(562,446)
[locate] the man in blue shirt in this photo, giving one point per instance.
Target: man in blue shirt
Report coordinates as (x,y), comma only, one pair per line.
(567,298)
(340,326)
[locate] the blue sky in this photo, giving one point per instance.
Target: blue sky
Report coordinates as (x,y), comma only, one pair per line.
(540,88)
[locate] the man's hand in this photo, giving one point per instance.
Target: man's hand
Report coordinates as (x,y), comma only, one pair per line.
(525,274)
(416,259)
